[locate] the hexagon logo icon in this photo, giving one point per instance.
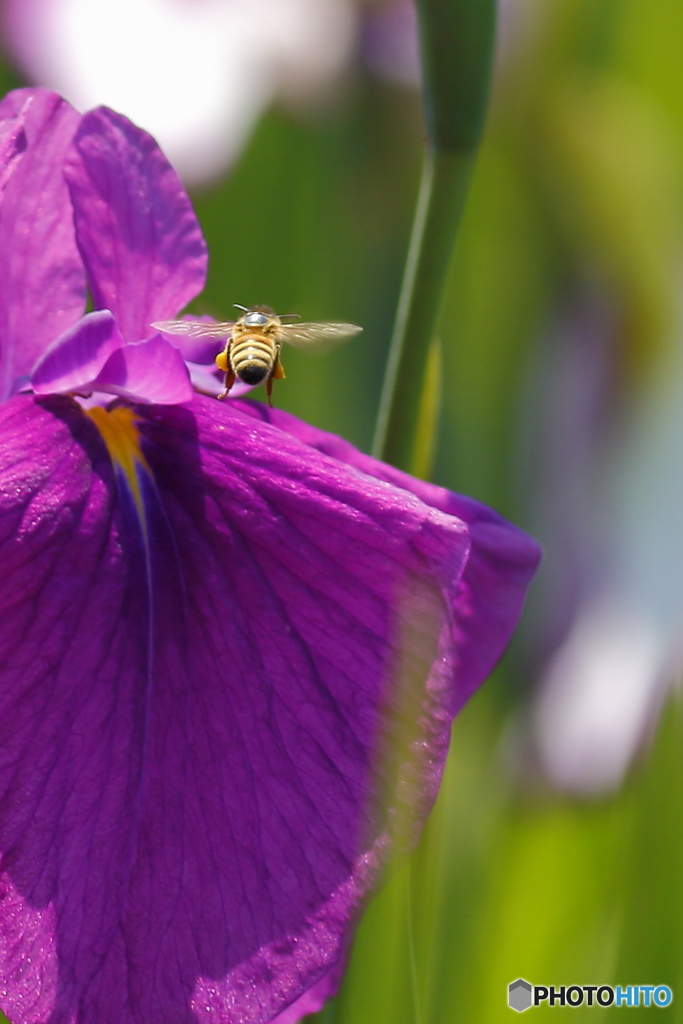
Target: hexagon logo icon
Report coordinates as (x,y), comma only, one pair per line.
(519,995)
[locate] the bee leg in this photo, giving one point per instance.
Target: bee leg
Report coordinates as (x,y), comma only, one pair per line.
(229,381)
(277,373)
(278,370)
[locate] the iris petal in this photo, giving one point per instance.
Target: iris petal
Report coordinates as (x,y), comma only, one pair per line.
(12,144)
(42,282)
(76,358)
(500,567)
(314,998)
(208,380)
(149,371)
(92,356)
(207,746)
(119,431)
(140,240)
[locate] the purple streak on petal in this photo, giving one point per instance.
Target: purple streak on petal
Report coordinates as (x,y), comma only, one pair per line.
(205,380)
(210,382)
(42,283)
(137,232)
(12,144)
(199,350)
(149,371)
(76,358)
(498,572)
(21,384)
(203,836)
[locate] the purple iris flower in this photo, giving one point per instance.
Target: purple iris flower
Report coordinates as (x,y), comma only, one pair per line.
(231,645)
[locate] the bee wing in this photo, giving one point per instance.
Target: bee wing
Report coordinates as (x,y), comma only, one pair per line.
(194,328)
(317,337)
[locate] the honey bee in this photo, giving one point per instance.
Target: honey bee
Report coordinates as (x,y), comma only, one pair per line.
(253,343)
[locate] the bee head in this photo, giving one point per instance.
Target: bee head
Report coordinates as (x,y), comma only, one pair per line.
(255,318)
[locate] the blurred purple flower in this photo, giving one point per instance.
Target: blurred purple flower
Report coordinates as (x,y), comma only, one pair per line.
(231,645)
(390,41)
(611,526)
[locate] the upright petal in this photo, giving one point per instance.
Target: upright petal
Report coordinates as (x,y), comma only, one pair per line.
(42,283)
(148,371)
(12,145)
(92,356)
(500,567)
(140,240)
(221,698)
(75,359)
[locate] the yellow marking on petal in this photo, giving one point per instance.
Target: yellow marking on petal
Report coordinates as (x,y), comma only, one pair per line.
(120,434)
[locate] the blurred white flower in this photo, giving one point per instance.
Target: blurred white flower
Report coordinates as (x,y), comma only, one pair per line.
(195,73)
(600,694)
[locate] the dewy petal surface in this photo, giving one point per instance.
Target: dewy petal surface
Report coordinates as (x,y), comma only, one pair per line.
(42,282)
(140,240)
(500,566)
(197,790)
(314,998)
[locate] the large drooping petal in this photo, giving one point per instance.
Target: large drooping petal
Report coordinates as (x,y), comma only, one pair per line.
(42,282)
(224,688)
(137,232)
(499,569)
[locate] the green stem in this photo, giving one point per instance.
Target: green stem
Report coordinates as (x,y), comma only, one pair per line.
(414,980)
(442,197)
(457,41)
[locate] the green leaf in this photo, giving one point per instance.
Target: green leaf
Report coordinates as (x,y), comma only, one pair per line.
(457,43)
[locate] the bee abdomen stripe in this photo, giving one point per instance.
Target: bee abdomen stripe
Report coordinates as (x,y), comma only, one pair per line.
(251,349)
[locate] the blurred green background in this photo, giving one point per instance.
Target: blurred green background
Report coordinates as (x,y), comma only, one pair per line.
(578,191)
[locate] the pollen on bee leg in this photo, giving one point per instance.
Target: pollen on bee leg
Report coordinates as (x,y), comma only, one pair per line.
(222,361)
(229,381)
(279,371)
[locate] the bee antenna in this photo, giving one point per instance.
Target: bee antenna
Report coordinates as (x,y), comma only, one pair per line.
(237,306)
(286,316)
